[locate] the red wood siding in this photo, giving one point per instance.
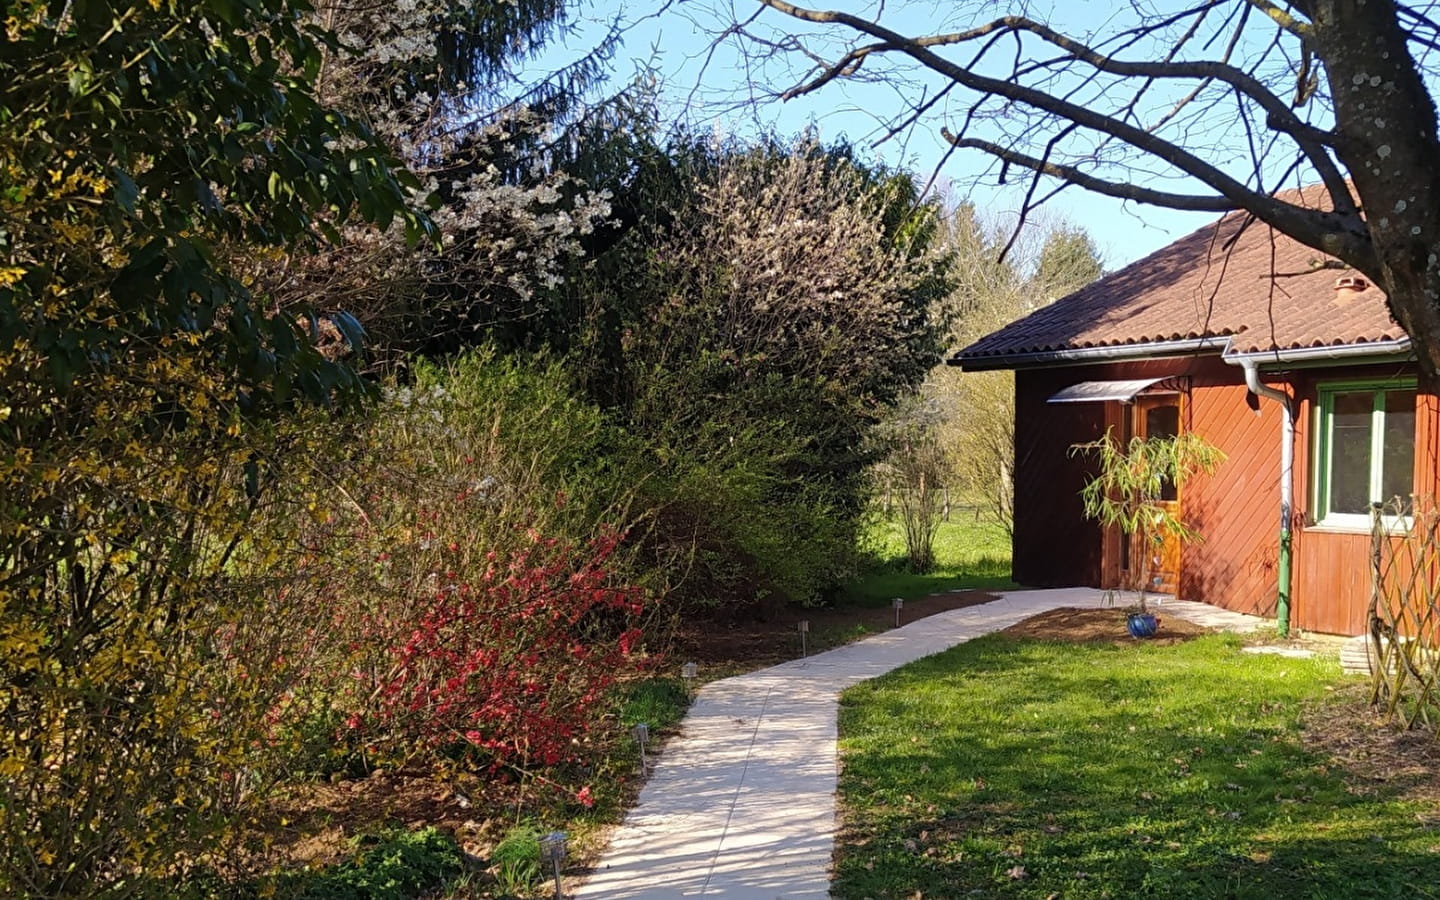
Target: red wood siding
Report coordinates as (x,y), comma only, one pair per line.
(1332,582)
(1054,544)
(1236,510)
(1427,446)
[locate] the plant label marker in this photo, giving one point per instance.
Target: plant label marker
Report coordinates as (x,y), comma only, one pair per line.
(804,630)
(552,853)
(642,735)
(899,604)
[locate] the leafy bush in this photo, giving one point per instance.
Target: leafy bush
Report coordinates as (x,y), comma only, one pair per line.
(740,358)
(767,306)
(479,605)
(915,473)
(398,865)
(151,637)
(735,523)
(506,653)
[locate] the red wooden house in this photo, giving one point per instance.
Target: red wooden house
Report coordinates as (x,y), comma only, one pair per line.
(1228,332)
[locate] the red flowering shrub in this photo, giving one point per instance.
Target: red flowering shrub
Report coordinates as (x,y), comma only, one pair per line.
(510,658)
(477,604)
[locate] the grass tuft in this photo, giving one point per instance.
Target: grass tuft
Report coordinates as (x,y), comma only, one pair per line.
(396,865)
(660,702)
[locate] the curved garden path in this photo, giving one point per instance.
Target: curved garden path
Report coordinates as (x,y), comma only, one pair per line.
(742,803)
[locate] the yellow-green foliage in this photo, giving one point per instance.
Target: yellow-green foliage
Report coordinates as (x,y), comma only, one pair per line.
(1128,490)
(192,602)
(145,645)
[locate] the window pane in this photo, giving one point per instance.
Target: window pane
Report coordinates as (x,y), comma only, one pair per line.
(1350,452)
(1398,477)
(1164,422)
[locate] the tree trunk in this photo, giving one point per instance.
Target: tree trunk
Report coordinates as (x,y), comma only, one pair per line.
(1387,140)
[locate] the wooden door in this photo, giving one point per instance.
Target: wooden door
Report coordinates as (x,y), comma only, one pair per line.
(1116,550)
(1158,416)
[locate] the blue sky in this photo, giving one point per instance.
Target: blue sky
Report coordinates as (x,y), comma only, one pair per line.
(708,87)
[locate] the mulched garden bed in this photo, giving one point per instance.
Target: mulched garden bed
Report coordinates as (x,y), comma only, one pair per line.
(1100,626)
(747,645)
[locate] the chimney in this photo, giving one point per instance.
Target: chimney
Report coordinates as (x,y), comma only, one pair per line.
(1348,287)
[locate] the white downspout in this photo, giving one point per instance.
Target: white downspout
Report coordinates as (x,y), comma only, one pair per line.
(1287,498)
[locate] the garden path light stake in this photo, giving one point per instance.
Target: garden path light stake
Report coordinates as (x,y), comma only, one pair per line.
(552,853)
(804,630)
(688,672)
(899,604)
(642,734)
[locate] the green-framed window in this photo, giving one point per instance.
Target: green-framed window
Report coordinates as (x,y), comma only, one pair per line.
(1365,451)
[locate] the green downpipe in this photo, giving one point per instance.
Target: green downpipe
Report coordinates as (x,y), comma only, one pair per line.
(1282,600)
(1287,488)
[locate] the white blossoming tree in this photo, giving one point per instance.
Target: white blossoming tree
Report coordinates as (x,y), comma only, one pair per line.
(429,76)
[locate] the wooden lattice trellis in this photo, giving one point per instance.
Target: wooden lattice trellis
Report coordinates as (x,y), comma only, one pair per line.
(1404,626)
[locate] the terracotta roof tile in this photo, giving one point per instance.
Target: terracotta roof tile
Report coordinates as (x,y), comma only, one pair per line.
(1246,282)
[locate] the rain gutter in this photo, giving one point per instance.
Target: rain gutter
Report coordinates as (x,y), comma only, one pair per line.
(1379,351)
(1069,356)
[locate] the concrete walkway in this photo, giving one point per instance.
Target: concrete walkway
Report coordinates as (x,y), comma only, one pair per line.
(742,803)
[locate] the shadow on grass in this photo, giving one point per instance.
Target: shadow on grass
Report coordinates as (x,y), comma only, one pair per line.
(1015,769)
(971,553)
(889,578)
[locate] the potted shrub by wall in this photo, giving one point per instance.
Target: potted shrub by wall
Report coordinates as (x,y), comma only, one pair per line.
(1128,492)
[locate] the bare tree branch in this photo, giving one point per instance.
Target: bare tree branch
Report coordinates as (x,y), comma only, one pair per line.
(1124,191)
(1206,105)
(1282,18)
(1285,216)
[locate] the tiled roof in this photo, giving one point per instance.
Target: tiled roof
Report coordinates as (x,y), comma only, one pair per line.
(1248,284)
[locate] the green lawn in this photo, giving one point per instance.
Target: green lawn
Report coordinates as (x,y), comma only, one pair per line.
(969,553)
(1007,768)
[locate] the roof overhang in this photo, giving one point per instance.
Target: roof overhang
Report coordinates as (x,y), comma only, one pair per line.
(1068,356)
(1399,349)
(1123,390)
